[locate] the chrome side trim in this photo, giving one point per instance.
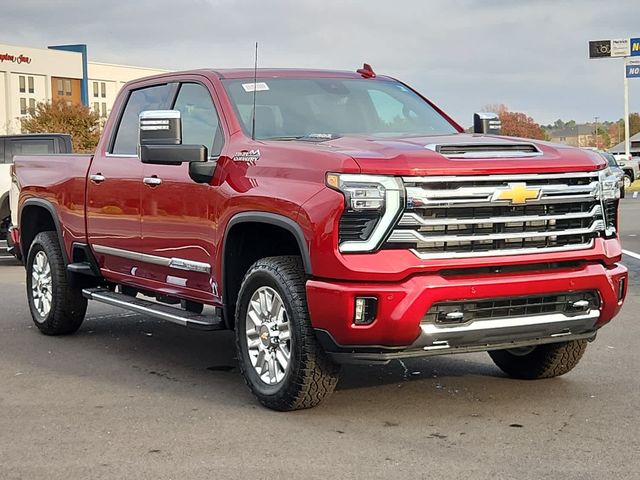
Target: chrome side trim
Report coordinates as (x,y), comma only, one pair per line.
(501,253)
(189,265)
(123,155)
(173,262)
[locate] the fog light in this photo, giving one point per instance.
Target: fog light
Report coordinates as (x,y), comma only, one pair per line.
(366,309)
(622,285)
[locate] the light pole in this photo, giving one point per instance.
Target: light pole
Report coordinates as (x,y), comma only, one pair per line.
(596,119)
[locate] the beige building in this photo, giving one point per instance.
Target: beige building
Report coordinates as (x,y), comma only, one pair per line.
(31,75)
(579,136)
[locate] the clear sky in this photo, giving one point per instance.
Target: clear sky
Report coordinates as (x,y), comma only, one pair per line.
(463,54)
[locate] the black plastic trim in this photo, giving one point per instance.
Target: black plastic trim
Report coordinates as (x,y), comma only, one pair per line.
(270,219)
(88,255)
(38,202)
(278,221)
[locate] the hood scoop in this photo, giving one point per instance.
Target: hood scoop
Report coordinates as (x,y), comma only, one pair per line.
(486,150)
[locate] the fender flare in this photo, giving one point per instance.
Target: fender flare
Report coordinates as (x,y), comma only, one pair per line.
(272,219)
(38,202)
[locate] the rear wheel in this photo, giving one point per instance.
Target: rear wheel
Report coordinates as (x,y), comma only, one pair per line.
(627,180)
(56,307)
(542,361)
(282,363)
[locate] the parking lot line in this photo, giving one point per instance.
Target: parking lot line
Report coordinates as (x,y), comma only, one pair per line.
(631,254)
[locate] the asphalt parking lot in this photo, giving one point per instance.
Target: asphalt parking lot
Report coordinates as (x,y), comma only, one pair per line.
(132,397)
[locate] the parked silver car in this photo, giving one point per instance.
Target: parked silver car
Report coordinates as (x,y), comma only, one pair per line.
(630,167)
(615,166)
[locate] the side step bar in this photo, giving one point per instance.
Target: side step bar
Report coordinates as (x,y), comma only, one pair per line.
(145,307)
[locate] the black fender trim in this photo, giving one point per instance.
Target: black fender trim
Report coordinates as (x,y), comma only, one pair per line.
(38,202)
(271,219)
(279,221)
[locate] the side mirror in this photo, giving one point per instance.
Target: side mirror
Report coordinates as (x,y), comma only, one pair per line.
(160,140)
(487,122)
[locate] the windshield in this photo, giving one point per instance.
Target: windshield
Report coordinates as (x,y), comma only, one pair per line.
(324,108)
(611,160)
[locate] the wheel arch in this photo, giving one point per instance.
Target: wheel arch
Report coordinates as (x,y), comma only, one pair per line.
(283,237)
(38,215)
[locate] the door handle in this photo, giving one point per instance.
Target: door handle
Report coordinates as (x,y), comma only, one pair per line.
(152,181)
(97,178)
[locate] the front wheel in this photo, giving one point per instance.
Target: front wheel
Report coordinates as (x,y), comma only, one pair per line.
(280,358)
(542,361)
(56,307)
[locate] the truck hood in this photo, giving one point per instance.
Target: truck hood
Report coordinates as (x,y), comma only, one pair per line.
(432,155)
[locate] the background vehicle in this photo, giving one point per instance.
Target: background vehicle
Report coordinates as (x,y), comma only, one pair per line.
(616,168)
(326,217)
(30,144)
(630,167)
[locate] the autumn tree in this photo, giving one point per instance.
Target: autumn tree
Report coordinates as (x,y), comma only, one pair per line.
(516,124)
(60,117)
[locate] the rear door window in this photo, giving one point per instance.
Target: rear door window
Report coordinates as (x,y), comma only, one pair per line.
(158,97)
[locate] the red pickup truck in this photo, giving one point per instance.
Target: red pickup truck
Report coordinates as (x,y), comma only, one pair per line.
(327,217)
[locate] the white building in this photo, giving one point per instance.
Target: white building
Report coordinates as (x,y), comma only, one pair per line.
(32,75)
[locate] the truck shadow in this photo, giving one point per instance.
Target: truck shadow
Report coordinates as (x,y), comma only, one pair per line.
(129,352)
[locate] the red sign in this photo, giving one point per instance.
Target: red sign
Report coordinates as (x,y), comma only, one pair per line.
(5,57)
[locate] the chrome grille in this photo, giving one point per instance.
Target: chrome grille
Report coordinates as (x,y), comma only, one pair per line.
(456,217)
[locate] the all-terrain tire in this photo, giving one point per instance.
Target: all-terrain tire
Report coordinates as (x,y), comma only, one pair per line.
(544,361)
(311,376)
(67,306)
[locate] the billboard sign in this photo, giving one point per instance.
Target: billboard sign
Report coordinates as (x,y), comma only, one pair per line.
(620,47)
(600,49)
(635,47)
(633,70)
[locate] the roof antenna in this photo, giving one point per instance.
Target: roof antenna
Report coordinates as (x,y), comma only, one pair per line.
(255,87)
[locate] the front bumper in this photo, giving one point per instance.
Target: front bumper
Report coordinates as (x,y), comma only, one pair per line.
(400,331)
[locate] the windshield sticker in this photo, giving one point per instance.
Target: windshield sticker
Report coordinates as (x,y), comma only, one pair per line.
(258,87)
(247,156)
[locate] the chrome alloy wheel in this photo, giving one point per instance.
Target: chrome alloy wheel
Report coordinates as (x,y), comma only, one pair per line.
(41,284)
(268,335)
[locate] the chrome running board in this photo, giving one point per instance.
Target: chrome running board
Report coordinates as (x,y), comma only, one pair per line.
(153,309)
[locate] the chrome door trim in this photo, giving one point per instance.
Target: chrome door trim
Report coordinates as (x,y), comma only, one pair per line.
(173,262)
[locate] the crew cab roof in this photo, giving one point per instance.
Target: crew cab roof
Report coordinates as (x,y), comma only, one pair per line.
(283,72)
(238,73)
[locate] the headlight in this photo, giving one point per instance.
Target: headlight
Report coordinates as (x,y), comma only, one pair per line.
(372,206)
(609,185)
(609,193)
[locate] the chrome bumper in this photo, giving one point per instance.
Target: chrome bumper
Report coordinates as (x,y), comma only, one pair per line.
(477,336)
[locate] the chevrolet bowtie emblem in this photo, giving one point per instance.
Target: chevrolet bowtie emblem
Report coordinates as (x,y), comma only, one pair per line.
(517,194)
